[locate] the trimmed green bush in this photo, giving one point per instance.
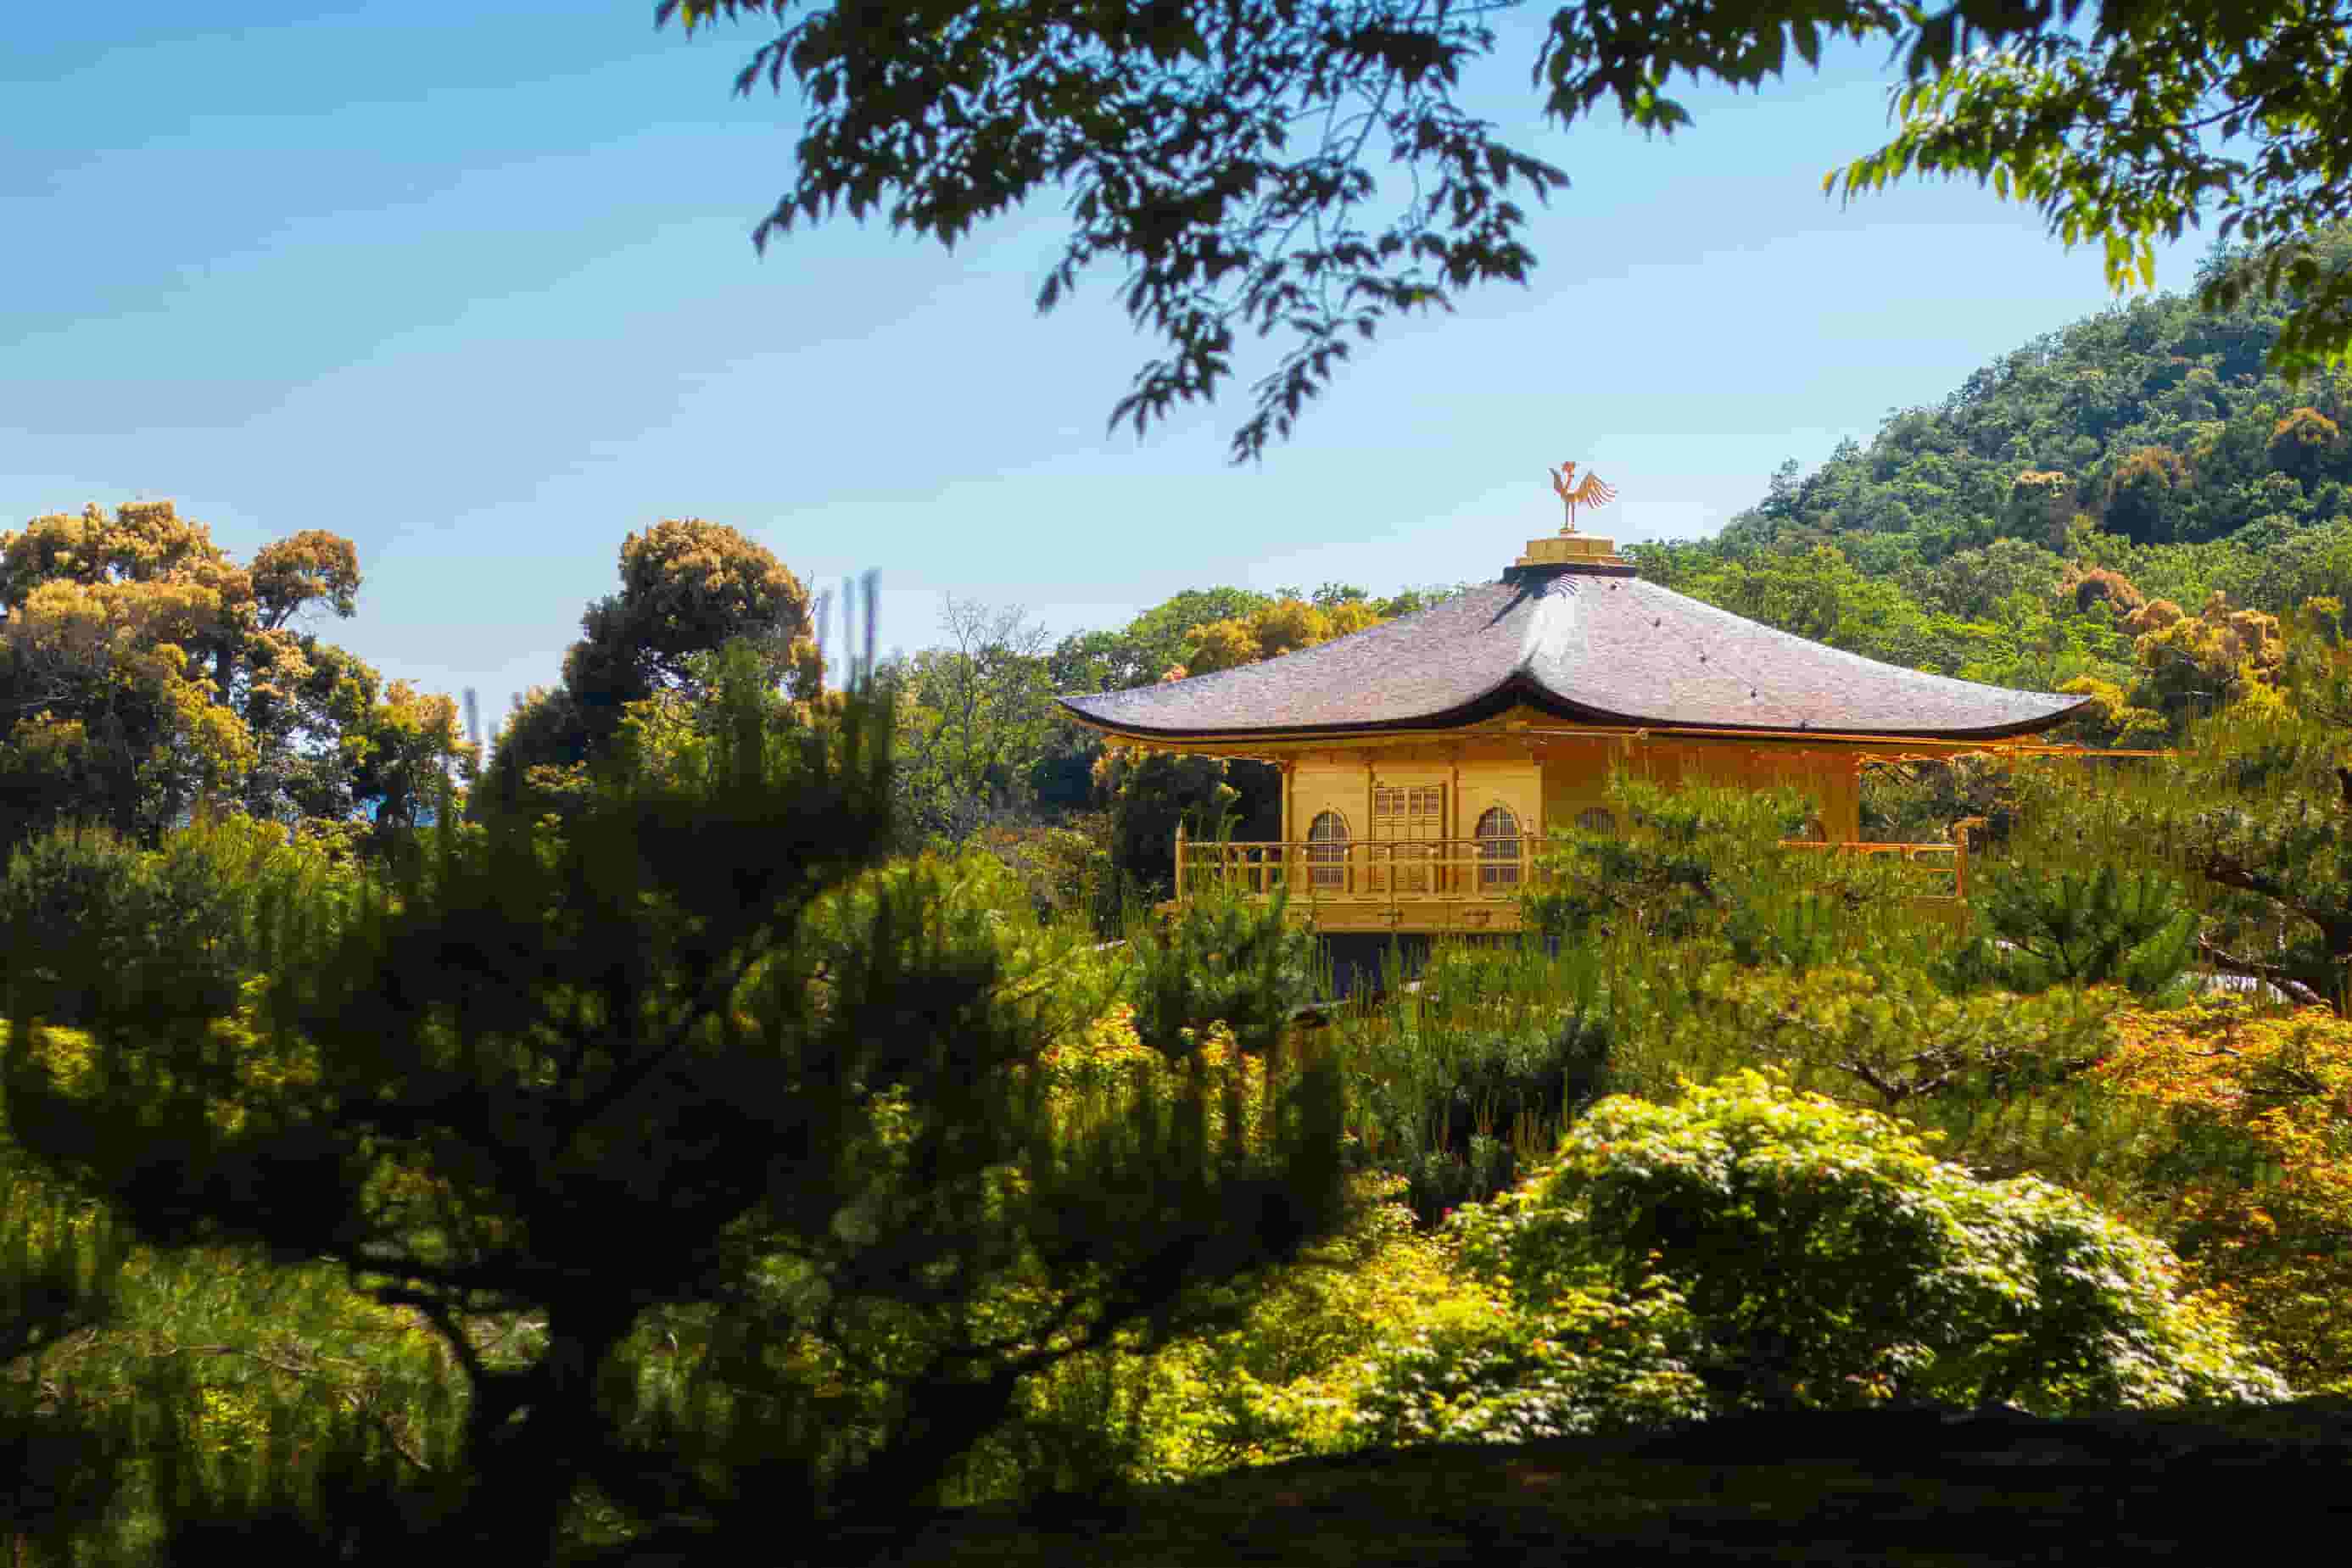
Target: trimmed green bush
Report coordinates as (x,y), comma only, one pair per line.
(1775,1250)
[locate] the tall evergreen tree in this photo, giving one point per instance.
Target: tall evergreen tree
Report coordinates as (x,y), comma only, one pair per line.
(698,1073)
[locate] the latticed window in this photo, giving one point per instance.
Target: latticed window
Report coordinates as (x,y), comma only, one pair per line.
(1499,848)
(1413,814)
(1418,812)
(1596,820)
(1327,851)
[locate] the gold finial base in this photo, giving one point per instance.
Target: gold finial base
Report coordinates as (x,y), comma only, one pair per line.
(1571,549)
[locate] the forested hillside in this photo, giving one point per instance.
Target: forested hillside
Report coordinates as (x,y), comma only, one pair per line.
(2065,517)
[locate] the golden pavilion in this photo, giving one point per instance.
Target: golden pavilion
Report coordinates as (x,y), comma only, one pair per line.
(1425,761)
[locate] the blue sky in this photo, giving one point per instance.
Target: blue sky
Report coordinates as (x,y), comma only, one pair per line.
(473,285)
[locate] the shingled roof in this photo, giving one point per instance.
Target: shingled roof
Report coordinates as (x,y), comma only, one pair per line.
(1587,647)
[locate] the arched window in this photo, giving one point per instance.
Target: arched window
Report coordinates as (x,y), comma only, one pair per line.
(1499,848)
(1327,851)
(1596,820)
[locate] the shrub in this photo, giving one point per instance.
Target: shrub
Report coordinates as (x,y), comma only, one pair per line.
(1462,1113)
(90,919)
(69,908)
(1219,960)
(1882,1028)
(1456,1079)
(1592,1362)
(1707,863)
(1784,1250)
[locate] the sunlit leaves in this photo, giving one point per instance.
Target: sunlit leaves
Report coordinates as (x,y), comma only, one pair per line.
(141,667)
(1813,1243)
(2160,118)
(2256,1181)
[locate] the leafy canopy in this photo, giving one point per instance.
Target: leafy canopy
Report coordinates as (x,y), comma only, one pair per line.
(2161,114)
(142,668)
(1223,155)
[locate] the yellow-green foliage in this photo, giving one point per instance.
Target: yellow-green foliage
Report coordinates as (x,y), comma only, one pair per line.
(1824,1252)
(1286,1381)
(2253,1179)
(1271,631)
(259,1064)
(1882,1034)
(1279,1383)
(1708,864)
(232,1350)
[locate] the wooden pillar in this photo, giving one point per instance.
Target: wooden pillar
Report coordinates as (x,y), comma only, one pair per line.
(1960,830)
(1456,827)
(1285,855)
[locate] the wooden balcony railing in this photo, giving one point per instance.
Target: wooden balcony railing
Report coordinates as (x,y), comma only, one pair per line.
(1481,870)
(1360,868)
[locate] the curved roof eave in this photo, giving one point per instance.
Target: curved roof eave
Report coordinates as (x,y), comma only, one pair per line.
(1588,650)
(1522,689)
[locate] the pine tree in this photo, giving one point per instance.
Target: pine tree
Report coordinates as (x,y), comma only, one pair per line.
(683,1098)
(2080,928)
(60,1464)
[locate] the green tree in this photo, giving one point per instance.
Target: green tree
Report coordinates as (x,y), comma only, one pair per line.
(2249,812)
(2303,442)
(2161,415)
(142,668)
(687,587)
(61,1464)
(1149,796)
(974,715)
(69,908)
(2041,508)
(1148,647)
(2105,135)
(1219,961)
(1818,594)
(89,916)
(2005,576)
(2147,496)
(1704,864)
(697,1071)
